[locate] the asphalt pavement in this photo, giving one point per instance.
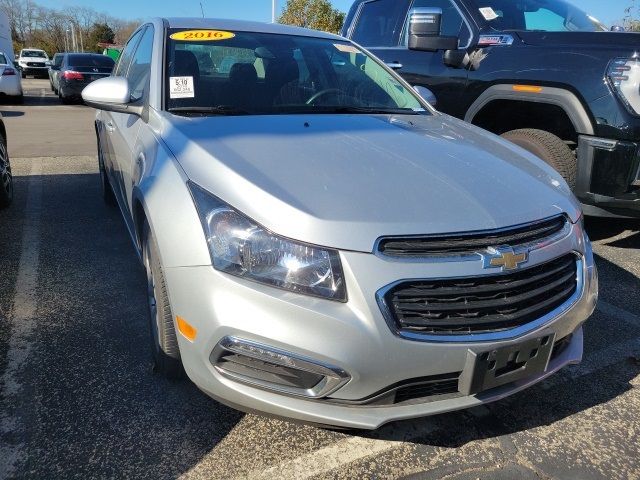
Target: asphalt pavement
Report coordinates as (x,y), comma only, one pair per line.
(78,398)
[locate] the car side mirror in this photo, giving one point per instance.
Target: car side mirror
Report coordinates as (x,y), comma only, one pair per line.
(424,31)
(111,94)
(426,94)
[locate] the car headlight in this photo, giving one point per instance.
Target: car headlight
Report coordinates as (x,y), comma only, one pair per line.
(241,247)
(624,75)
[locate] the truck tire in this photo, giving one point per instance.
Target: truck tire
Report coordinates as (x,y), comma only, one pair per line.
(549,148)
(164,343)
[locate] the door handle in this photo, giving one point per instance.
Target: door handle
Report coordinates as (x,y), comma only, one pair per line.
(394,65)
(110,127)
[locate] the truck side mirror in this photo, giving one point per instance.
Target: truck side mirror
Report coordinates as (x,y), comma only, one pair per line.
(424,31)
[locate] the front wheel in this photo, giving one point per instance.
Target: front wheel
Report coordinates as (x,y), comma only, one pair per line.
(6,179)
(164,343)
(549,148)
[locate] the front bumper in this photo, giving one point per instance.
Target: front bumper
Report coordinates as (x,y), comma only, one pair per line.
(39,71)
(353,337)
(608,182)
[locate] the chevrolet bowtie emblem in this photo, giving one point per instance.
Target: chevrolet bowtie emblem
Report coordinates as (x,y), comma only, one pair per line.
(503,257)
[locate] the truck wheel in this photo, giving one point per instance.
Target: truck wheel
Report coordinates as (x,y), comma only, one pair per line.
(6,180)
(549,148)
(164,344)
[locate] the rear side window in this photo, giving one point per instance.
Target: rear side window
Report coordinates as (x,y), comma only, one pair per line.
(3,59)
(379,23)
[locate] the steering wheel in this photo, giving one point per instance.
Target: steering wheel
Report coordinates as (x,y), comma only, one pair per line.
(319,94)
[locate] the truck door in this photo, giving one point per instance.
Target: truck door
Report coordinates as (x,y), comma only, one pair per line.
(381,26)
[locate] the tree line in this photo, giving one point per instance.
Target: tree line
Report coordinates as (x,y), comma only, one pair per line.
(54,30)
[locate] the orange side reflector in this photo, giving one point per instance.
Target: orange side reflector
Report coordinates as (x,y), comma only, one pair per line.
(527,88)
(186,329)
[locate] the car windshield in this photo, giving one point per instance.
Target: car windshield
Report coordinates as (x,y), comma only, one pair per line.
(537,15)
(34,53)
(91,61)
(236,73)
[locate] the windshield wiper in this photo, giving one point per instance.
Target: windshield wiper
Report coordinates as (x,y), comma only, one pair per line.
(369,110)
(219,110)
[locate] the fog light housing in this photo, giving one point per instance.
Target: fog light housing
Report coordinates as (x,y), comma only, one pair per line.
(274,369)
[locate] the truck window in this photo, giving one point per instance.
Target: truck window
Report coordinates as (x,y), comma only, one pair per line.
(453,25)
(379,22)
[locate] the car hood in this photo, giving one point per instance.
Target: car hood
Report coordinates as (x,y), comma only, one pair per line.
(345,180)
(616,40)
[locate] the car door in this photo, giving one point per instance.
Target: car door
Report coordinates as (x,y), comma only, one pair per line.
(127,126)
(422,68)
(107,123)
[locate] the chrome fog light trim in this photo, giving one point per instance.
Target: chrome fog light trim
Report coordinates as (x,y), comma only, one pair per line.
(330,378)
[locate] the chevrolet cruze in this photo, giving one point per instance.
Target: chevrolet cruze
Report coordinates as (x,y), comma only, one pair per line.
(319,242)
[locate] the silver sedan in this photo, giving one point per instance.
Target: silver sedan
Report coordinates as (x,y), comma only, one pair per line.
(321,244)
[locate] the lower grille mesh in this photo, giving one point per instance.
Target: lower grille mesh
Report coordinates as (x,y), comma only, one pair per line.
(482,304)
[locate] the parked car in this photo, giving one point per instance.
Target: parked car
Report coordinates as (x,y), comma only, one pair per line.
(54,68)
(10,82)
(319,242)
(6,179)
(77,71)
(541,73)
(34,62)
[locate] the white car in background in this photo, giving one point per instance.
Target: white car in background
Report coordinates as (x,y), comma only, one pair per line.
(35,62)
(10,82)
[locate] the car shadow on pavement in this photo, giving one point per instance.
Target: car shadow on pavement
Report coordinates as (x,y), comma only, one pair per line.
(607,368)
(601,228)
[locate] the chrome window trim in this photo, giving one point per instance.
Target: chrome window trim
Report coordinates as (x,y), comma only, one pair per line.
(335,377)
(509,334)
(471,257)
(404,38)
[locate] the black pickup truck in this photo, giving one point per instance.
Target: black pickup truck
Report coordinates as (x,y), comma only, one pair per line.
(541,73)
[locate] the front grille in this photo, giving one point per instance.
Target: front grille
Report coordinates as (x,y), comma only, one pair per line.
(482,304)
(472,242)
(35,64)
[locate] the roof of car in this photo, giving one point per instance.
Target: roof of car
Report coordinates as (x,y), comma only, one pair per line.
(245,26)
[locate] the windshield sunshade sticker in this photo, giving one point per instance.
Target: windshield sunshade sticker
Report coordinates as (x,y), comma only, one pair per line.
(341,47)
(181,87)
(202,35)
(488,13)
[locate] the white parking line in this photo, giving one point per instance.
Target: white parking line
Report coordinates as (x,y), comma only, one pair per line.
(22,320)
(349,450)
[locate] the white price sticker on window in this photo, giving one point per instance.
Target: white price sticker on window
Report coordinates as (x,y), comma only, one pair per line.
(181,87)
(488,13)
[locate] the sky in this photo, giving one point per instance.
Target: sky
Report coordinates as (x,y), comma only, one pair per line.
(607,11)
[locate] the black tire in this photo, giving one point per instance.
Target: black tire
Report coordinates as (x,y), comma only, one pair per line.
(549,148)
(6,178)
(63,98)
(162,331)
(107,190)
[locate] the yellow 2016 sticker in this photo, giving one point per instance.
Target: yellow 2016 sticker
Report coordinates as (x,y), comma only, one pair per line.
(202,35)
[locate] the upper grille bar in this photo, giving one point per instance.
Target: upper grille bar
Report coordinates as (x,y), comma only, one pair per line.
(472,242)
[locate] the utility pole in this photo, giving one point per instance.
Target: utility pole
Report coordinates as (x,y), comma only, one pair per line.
(273,11)
(73,39)
(81,41)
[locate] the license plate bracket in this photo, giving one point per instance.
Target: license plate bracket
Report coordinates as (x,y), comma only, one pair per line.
(494,368)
